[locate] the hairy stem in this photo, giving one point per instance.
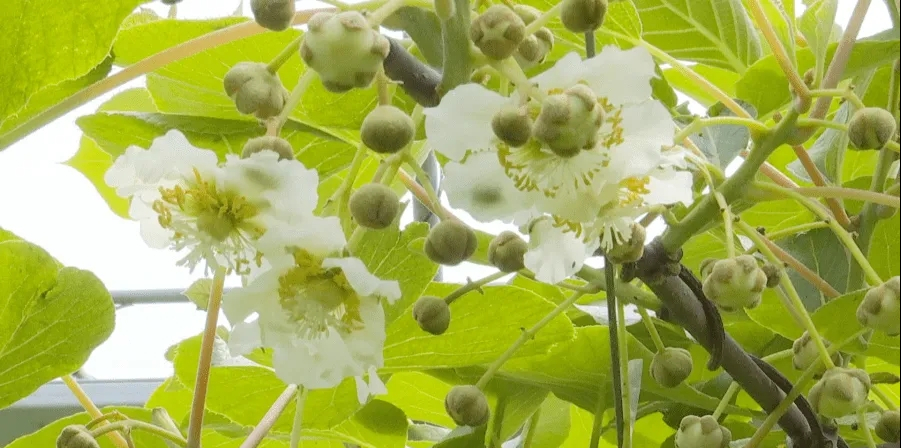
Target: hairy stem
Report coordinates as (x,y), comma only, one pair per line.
(785,62)
(285,54)
(652,329)
(296,96)
(128,425)
(275,411)
(870,196)
(300,400)
(543,19)
(473,286)
(786,258)
(623,354)
(615,348)
(727,397)
(794,230)
(837,208)
(85,401)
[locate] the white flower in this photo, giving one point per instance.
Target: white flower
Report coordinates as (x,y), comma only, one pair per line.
(321,314)
(184,199)
(555,254)
(479,186)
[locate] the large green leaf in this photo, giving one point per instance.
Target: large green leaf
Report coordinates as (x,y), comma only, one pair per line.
(141,40)
(722,78)
(46,436)
(885,246)
(844,309)
(378,425)
(482,327)
(554,423)
(51,318)
(421,396)
(817,24)
(777,215)
(825,255)
(716,33)
(47,42)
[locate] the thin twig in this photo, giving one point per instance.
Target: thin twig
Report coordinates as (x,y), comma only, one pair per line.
(835,206)
(261,429)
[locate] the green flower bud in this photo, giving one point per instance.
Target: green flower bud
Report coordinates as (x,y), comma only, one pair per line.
(534,48)
(805,353)
(512,125)
(467,406)
(569,122)
(497,32)
(432,314)
(735,283)
(840,392)
(343,49)
(887,428)
(580,16)
(707,266)
(631,250)
(450,243)
(275,15)
(527,13)
(506,251)
(881,308)
(773,275)
(76,436)
(702,432)
(871,128)
(374,206)
(671,366)
(255,90)
(277,145)
(387,129)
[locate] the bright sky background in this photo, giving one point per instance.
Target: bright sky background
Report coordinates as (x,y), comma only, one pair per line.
(54,206)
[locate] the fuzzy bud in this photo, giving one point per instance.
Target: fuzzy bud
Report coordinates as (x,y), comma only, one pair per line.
(631,250)
(255,90)
(374,206)
(277,145)
(702,432)
(671,366)
(881,308)
(450,243)
(871,128)
(735,283)
(343,49)
(773,275)
(534,48)
(387,129)
(506,251)
(512,125)
(840,392)
(569,122)
(805,353)
(497,32)
(275,15)
(432,314)
(706,266)
(467,406)
(580,16)
(76,436)
(888,428)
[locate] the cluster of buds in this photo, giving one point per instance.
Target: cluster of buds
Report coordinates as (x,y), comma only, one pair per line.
(702,432)
(735,283)
(450,243)
(535,47)
(631,250)
(840,392)
(671,367)
(805,353)
(881,308)
(569,121)
(498,32)
(374,206)
(255,90)
(467,406)
(343,49)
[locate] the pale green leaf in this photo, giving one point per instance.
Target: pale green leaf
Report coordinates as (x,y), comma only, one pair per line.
(421,397)
(816,24)
(716,33)
(884,247)
(723,79)
(47,42)
(844,309)
(141,40)
(378,425)
(777,215)
(554,423)
(51,319)
(199,292)
(824,254)
(93,162)
(722,143)
(46,436)
(517,402)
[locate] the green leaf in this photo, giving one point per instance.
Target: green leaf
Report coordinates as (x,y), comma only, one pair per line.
(816,24)
(199,292)
(844,309)
(6,235)
(421,396)
(824,254)
(723,142)
(92,162)
(777,215)
(378,425)
(139,41)
(424,28)
(719,34)
(46,436)
(482,327)
(517,403)
(723,79)
(51,319)
(884,247)
(48,42)
(764,84)
(554,423)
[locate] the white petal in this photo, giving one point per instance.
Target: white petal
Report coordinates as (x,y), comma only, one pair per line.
(279,186)
(646,128)
(554,254)
(462,121)
(258,296)
(366,345)
(480,187)
(317,364)
(567,72)
(184,157)
(376,386)
(669,187)
(244,338)
(364,283)
(319,236)
(362,389)
(622,76)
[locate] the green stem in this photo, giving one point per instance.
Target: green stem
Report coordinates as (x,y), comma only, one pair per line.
(543,19)
(874,196)
(597,427)
(841,93)
(204,363)
(532,429)
(865,427)
(794,230)
(341,197)
(85,401)
(782,58)
(624,371)
(823,124)
(732,188)
(883,397)
(498,422)
(512,71)
(286,54)
(778,356)
(128,425)
(378,16)
(525,337)
(700,123)
(301,400)
(424,178)
(275,411)
(790,290)
(296,95)
(724,402)
(473,286)
(652,329)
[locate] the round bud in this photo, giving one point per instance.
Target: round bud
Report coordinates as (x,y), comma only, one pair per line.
(76,436)
(512,125)
(467,406)
(580,16)
(275,15)
(839,392)
(497,32)
(343,49)
(735,283)
(506,252)
(387,129)
(631,250)
(277,145)
(871,128)
(374,206)
(702,432)
(881,308)
(170,2)
(887,428)
(569,122)
(773,275)
(534,48)
(255,90)
(805,353)
(450,243)
(432,314)
(671,366)
(809,77)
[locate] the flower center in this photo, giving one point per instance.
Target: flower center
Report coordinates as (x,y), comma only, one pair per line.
(316,298)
